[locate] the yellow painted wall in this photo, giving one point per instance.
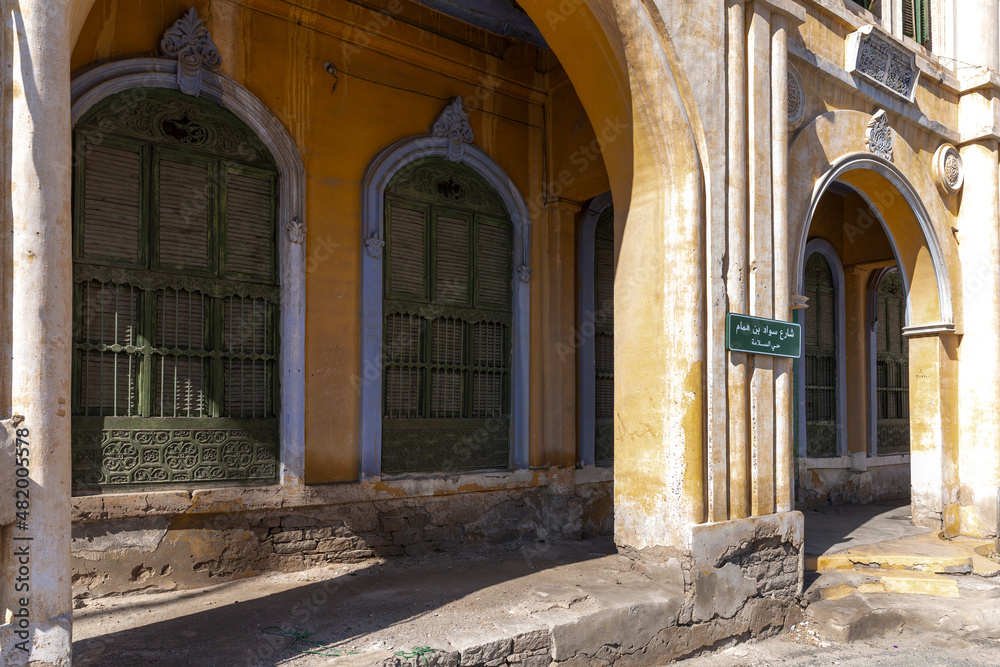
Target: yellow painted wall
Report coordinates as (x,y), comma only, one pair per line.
(398,68)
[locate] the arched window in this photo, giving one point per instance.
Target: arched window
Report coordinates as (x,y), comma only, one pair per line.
(821,362)
(604,338)
(448,316)
(176,296)
(892,368)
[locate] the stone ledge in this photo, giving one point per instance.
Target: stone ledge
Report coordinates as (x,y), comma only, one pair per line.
(297,496)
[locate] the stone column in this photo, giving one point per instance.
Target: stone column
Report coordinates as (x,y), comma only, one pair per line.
(42,322)
(736,279)
(979,400)
(856,382)
(761,256)
(556,278)
(976,23)
(784,475)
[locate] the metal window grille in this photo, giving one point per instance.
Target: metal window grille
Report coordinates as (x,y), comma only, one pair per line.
(447,322)
(892,382)
(176,297)
(820,363)
(604,338)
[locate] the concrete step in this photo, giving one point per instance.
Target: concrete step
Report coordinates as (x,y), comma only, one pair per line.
(923,553)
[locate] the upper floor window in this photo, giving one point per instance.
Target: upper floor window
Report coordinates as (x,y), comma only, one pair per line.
(176,296)
(448,315)
(917,21)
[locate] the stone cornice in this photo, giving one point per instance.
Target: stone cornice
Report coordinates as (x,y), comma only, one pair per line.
(883,98)
(791,10)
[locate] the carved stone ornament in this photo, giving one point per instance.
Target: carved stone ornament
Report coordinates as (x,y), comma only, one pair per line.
(375,245)
(796,99)
(879,59)
(188,41)
(949,171)
(524,273)
(878,136)
(453,124)
(296,231)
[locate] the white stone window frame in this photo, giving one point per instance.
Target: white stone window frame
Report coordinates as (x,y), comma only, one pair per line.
(95,84)
(829,253)
(587,362)
(377,176)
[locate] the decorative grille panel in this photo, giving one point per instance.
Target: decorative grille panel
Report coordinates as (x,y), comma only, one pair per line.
(112,210)
(107,349)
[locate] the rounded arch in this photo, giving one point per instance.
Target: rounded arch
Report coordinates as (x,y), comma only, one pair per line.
(903,198)
(380,171)
(95,84)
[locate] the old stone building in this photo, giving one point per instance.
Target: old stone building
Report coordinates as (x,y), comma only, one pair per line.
(295,282)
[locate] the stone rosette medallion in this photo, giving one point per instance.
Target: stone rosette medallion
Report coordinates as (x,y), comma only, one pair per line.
(949,171)
(796,99)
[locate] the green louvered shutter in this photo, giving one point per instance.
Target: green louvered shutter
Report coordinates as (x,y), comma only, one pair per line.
(917,21)
(820,337)
(892,368)
(604,337)
(176,297)
(446,323)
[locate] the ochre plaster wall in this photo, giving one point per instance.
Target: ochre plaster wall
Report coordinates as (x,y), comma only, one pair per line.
(397,70)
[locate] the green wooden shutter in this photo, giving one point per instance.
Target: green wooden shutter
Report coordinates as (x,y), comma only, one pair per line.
(175,350)
(604,337)
(248,343)
(179,364)
(447,306)
(109,363)
(249,224)
(184,196)
(451,259)
(111,203)
(892,368)
(406,252)
(493,275)
(821,359)
(917,21)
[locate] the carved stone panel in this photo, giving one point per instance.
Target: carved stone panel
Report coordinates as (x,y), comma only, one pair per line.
(876,57)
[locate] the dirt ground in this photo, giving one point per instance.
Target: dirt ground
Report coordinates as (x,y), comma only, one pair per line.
(802,647)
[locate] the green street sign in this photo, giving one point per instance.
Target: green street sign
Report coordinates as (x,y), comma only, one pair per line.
(757,335)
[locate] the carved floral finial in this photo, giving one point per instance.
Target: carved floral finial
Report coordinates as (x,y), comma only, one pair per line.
(375,244)
(188,41)
(878,135)
(453,124)
(296,230)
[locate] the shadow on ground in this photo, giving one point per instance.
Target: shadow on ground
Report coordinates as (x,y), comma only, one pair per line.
(222,625)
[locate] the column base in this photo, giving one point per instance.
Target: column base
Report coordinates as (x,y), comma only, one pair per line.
(46,644)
